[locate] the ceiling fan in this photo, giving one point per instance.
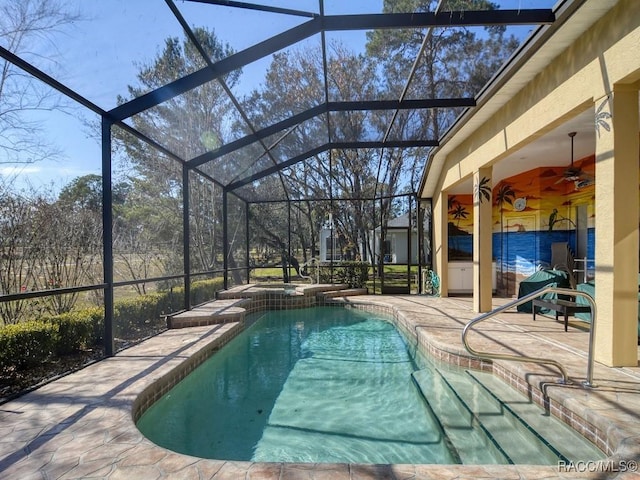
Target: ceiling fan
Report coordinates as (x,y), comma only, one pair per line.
(573,173)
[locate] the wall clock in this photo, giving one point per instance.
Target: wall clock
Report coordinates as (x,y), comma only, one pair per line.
(519,204)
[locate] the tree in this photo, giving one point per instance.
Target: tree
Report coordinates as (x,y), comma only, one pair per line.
(17,231)
(295,82)
(206,223)
(68,246)
(147,232)
(189,124)
(456,62)
(458,213)
(45,243)
(482,190)
(23,25)
(85,192)
(504,194)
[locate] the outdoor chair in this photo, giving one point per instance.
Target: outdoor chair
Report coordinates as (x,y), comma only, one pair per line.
(562,259)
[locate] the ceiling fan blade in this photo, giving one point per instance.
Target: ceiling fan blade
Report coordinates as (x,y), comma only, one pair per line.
(572,172)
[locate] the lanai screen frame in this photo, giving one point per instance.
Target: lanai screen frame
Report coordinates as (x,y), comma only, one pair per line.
(318,24)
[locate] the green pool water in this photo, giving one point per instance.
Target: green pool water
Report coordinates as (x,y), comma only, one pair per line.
(324,385)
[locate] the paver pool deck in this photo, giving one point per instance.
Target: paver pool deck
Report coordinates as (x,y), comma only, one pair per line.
(82,425)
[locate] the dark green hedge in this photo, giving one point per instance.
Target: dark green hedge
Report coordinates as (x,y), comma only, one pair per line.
(74,331)
(134,317)
(26,344)
(138,317)
(205,290)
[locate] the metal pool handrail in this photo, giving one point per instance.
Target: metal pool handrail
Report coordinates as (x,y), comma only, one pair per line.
(523,358)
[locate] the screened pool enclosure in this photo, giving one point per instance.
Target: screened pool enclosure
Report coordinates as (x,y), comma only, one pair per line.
(217,140)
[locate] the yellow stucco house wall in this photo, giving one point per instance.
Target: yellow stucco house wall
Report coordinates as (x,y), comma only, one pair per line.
(585,65)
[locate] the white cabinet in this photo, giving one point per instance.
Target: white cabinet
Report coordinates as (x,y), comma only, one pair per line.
(461,277)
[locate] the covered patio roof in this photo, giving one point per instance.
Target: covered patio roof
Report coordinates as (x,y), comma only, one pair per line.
(552,146)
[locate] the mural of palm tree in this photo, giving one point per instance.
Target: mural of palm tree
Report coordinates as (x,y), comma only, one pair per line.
(504,194)
(603,115)
(482,190)
(458,213)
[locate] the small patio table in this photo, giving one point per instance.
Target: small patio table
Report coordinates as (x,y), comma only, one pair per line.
(566,307)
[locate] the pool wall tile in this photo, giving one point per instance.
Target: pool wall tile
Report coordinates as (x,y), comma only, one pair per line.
(165,383)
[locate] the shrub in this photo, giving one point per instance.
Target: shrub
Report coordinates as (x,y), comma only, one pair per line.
(96,316)
(75,330)
(26,344)
(205,290)
(201,291)
(171,300)
(137,317)
(354,274)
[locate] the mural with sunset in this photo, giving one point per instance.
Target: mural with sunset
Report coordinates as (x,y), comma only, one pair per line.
(531,211)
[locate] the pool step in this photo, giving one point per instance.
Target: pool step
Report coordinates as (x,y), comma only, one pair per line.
(511,431)
(462,430)
(219,311)
(472,404)
(346,292)
(563,438)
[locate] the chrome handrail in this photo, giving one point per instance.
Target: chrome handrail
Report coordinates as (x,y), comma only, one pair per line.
(524,358)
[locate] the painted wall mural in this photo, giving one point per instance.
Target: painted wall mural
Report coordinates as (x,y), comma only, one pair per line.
(531,211)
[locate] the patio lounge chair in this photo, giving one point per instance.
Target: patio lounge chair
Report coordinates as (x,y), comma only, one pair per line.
(562,259)
(561,275)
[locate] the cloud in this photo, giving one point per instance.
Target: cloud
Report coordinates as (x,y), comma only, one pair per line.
(19,170)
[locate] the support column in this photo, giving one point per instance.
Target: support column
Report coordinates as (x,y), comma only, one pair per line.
(247,226)
(482,240)
(409,240)
(421,206)
(616,227)
(107,236)
(225,239)
(440,235)
(383,234)
(186,237)
(420,229)
(288,261)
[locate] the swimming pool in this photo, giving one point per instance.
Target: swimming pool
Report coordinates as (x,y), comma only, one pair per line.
(340,385)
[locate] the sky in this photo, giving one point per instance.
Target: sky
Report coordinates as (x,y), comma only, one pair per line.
(100,54)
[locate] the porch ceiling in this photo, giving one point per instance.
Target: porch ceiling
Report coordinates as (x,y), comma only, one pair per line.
(549,149)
